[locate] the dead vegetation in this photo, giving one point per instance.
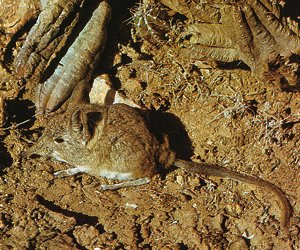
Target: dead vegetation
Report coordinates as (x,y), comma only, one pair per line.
(231,114)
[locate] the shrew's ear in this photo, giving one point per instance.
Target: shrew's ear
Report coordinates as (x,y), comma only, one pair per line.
(84,124)
(77,121)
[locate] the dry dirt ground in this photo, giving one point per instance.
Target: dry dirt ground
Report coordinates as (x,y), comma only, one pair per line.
(229,118)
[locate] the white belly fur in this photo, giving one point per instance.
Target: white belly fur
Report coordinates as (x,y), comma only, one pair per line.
(115,175)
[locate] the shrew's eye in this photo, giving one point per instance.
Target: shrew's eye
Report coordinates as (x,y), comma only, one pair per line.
(59,140)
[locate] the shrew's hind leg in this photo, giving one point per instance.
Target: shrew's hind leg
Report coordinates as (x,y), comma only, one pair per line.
(137,182)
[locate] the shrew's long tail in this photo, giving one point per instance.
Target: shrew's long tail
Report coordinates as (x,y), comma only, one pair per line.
(213,170)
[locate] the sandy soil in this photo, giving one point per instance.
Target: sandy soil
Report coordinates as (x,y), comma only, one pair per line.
(229,117)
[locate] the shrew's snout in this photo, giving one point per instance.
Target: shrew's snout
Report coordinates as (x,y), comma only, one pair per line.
(36,150)
(29,153)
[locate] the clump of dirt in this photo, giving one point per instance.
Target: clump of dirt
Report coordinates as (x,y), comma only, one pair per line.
(231,118)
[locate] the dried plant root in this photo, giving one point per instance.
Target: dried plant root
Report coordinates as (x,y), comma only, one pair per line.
(283,35)
(249,31)
(218,53)
(78,63)
(206,35)
(47,37)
